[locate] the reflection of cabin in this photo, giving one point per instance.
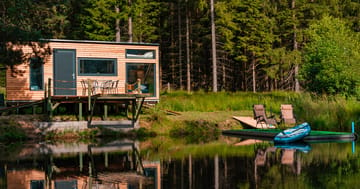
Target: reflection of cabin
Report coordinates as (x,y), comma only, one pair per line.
(117,164)
(72,62)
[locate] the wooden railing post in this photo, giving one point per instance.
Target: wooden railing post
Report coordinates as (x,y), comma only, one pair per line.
(49,105)
(139,86)
(89,94)
(44,109)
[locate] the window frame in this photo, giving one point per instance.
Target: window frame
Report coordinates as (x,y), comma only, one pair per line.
(127,64)
(94,74)
(41,67)
(140,50)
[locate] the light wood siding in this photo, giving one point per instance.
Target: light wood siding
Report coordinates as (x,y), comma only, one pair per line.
(18,85)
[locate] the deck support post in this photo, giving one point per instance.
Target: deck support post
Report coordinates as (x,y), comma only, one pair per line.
(33,109)
(138,108)
(92,107)
(49,105)
(105,111)
(89,95)
(133,111)
(80,112)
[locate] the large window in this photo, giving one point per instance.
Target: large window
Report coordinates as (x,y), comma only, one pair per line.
(36,74)
(140,54)
(97,66)
(144,72)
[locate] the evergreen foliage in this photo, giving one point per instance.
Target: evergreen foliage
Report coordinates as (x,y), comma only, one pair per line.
(260,43)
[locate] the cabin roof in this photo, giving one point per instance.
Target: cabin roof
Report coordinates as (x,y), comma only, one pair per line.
(98,42)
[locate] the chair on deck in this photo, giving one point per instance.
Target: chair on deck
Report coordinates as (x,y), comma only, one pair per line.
(114,88)
(287,114)
(85,86)
(261,117)
(107,87)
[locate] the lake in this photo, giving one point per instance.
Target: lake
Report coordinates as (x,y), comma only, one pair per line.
(183,163)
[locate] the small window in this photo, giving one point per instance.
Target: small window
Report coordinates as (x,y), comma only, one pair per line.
(97,67)
(36,74)
(140,54)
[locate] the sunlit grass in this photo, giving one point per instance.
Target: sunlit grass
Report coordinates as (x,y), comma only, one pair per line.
(2,90)
(322,112)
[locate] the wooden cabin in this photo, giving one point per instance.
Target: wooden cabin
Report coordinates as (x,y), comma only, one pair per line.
(71,65)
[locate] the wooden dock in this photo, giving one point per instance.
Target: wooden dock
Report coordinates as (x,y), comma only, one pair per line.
(251,122)
(314,136)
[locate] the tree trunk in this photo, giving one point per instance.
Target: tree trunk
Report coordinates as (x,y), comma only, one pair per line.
(180,47)
(296,69)
(253,74)
(130,26)
(172,44)
(213,45)
(188,76)
(117,25)
(223,76)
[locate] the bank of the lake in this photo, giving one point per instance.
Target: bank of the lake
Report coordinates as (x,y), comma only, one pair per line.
(25,127)
(200,115)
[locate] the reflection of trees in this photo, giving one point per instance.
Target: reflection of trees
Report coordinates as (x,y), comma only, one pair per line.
(237,171)
(274,165)
(206,172)
(334,174)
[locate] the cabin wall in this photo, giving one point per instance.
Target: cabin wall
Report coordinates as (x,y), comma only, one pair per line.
(18,84)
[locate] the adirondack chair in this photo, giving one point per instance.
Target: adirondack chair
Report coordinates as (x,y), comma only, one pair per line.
(261,117)
(287,114)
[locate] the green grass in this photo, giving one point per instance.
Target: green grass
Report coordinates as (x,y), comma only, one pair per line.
(322,112)
(2,90)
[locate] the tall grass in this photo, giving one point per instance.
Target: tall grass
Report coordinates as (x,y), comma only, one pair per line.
(322,112)
(2,90)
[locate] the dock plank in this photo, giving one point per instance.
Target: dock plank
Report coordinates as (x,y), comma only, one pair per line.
(249,121)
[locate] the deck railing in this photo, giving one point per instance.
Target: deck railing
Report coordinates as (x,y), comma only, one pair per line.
(88,87)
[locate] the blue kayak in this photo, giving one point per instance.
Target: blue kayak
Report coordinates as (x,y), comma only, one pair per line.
(293,134)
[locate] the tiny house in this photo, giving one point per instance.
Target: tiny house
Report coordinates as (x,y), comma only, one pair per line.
(70,64)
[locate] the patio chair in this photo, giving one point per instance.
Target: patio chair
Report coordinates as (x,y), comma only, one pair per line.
(85,86)
(261,117)
(287,114)
(107,87)
(114,88)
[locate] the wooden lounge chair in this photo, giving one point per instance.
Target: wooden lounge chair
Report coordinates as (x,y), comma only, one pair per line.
(261,117)
(287,114)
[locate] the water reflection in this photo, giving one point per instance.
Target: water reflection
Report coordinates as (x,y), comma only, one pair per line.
(163,162)
(77,165)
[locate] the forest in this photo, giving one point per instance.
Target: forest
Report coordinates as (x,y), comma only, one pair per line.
(210,45)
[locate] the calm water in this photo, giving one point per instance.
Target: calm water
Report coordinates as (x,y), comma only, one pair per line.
(166,163)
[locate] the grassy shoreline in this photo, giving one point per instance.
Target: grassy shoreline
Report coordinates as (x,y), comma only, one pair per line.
(203,115)
(323,112)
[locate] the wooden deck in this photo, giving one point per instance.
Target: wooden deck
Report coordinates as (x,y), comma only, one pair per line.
(133,101)
(251,122)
